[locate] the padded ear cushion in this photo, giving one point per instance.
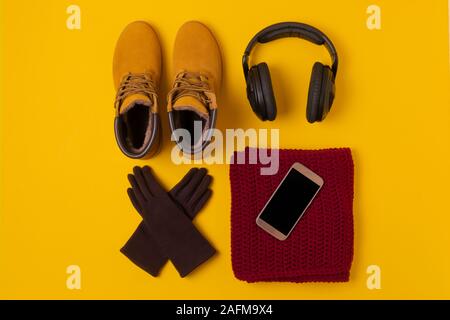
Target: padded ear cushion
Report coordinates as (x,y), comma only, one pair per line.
(260,107)
(313,109)
(268,95)
(254,92)
(327,92)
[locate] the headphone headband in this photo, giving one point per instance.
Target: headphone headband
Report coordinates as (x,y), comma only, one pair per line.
(291,29)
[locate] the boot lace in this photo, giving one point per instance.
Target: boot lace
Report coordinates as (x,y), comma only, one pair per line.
(191,84)
(135,83)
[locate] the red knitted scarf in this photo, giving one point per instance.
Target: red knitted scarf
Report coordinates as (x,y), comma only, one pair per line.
(320,249)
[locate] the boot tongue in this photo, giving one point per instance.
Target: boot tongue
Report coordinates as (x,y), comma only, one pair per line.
(191,104)
(131,101)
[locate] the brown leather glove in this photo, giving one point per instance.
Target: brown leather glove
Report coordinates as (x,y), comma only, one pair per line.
(192,193)
(167,231)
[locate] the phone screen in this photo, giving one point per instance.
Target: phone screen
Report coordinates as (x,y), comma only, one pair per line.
(289,202)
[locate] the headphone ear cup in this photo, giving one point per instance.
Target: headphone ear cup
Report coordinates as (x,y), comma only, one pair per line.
(328,91)
(252,92)
(268,95)
(314,107)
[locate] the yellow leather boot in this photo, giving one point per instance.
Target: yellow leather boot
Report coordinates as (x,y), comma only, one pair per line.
(137,73)
(192,103)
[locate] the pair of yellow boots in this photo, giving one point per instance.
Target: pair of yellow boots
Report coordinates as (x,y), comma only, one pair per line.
(191,104)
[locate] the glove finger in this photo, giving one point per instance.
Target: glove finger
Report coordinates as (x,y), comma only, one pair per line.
(183,182)
(193,184)
(139,176)
(134,201)
(137,190)
(152,183)
(202,187)
(202,202)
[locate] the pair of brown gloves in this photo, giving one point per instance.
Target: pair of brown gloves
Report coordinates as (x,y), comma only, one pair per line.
(167,231)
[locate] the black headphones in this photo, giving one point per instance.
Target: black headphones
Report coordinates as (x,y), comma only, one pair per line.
(259,84)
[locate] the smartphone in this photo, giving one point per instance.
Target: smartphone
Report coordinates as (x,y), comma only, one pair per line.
(290,201)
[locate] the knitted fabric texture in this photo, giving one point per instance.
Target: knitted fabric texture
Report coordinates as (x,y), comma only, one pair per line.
(320,248)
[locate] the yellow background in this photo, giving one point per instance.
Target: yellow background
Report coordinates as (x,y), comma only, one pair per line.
(63,180)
